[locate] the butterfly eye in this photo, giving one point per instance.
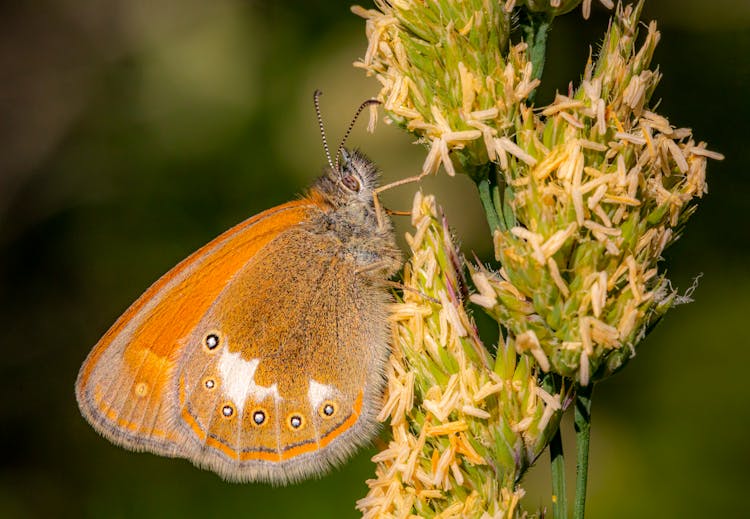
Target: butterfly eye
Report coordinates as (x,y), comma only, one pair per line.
(352,183)
(211,341)
(327,410)
(227,410)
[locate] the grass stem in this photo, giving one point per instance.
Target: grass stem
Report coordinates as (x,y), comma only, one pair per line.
(559,494)
(582,422)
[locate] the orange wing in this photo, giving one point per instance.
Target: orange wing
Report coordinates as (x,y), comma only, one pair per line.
(294,333)
(122,386)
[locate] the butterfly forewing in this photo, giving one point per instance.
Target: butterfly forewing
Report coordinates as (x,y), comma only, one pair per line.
(125,387)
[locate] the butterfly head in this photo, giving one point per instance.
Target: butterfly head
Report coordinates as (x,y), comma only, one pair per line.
(351,181)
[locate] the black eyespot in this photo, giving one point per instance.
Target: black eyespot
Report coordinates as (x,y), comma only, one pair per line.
(327,410)
(211,341)
(295,421)
(259,417)
(209,383)
(352,183)
(227,411)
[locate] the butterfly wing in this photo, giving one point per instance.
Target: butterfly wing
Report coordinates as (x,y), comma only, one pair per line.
(281,377)
(124,387)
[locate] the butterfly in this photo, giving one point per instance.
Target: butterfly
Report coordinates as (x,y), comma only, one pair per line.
(260,356)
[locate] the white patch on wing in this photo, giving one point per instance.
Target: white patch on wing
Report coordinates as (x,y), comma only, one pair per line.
(319,393)
(238,380)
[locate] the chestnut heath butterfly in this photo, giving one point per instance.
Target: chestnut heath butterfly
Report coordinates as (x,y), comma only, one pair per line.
(260,356)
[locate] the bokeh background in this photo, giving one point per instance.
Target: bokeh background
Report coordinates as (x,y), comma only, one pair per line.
(132,132)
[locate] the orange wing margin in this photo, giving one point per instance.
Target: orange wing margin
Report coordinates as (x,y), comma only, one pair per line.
(148,333)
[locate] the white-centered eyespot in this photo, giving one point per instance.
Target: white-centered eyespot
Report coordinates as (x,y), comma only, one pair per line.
(259,417)
(212,341)
(295,421)
(227,410)
(328,409)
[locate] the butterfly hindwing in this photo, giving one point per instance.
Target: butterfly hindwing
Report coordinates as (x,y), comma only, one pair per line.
(286,363)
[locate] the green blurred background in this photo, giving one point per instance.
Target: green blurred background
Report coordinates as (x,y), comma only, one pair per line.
(132,132)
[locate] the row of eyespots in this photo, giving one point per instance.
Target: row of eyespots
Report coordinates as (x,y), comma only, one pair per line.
(294,420)
(259,415)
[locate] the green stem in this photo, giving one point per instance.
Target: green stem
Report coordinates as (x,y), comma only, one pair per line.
(559,494)
(535,27)
(485,195)
(583,438)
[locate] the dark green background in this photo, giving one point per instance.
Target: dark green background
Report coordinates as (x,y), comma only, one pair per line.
(133,132)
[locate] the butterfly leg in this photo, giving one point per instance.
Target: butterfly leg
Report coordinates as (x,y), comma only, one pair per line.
(401,286)
(376,193)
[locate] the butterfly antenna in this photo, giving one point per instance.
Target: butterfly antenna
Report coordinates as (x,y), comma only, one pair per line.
(316,100)
(351,126)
